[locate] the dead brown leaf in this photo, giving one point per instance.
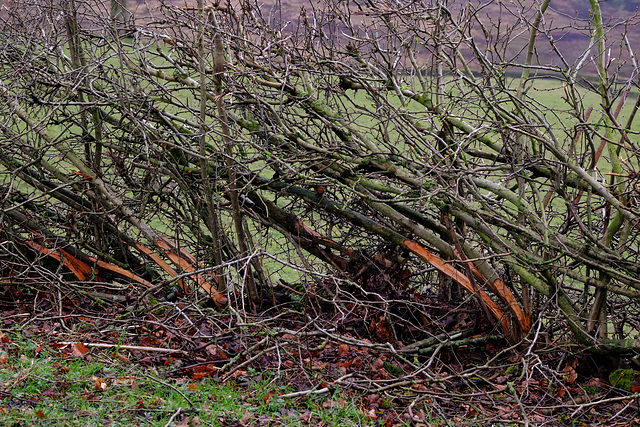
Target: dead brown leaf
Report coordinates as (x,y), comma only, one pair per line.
(52,394)
(378,363)
(78,349)
(202,371)
(329,404)
(99,384)
(343,350)
(306,416)
(268,396)
(570,374)
(318,365)
(246,419)
(126,381)
(373,401)
(216,353)
(121,357)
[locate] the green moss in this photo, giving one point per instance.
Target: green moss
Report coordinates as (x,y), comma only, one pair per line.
(424,100)
(322,108)
(592,390)
(392,369)
(386,403)
(511,370)
(250,125)
(623,378)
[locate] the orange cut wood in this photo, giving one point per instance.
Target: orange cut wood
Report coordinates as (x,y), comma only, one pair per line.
(166,267)
(459,278)
(73,264)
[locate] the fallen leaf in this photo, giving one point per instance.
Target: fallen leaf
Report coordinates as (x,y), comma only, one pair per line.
(329,404)
(371,414)
(246,419)
(78,349)
(343,350)
(570,374)
(378,363)
(121,357)
(99,384)
(39,413)
(373,401)
(216,352)
(317,365)
(47,392)
(306,416)
(202,371)
(268,396)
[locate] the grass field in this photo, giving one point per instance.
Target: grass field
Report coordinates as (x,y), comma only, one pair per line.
(44,385)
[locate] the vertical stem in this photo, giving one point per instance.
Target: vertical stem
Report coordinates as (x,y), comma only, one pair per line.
(598,315)
(75,52)
(219,62)
(78,62)
(212,220)
(531,47)
(120,12)
(520,149)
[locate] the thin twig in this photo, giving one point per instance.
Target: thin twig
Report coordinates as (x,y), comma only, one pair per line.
(248,361)
(306,392)
(173,417)
(172,388)
(128,347)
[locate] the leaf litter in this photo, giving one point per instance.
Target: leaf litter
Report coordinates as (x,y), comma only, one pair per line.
(340,365)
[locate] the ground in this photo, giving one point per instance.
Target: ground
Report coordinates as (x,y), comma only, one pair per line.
(80,361)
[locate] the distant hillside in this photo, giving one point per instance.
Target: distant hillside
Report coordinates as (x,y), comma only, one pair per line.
(569,20)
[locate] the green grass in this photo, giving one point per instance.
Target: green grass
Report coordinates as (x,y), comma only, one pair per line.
(44,386)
